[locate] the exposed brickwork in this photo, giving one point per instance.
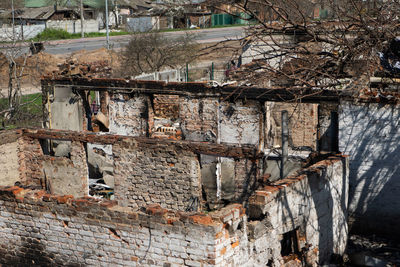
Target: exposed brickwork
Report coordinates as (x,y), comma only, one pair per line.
(199,118)
(247,173)
(30,166)
(315,202)
(162,174)
(41,229)
(79,159)
(66,175)
(303,124)
(166,106)
(128,116)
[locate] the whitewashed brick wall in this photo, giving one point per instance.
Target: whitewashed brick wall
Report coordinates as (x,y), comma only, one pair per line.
(370,134)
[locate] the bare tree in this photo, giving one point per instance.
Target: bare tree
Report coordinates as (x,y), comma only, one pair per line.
(150,52)
(14,58)
(298,48)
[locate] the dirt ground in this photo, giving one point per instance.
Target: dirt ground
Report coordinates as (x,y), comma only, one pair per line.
(44,64)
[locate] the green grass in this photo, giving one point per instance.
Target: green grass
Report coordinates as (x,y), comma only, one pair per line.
(56,34)
(30,114)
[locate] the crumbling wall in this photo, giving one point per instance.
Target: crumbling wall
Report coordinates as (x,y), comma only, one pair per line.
(9,163)
(315,203)
(166,106)
(199,118)
(369,133)
(303,124)
(156,173)
(240,122)
(238,179)
(47,230)
(65,110)
(64,176)
(128,115)
(30,161)
(26,163)
(41,229)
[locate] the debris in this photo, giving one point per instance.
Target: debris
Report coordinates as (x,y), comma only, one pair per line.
(101,118)
(373,251)
(96,69)
(36,47)
(97,188)
(390,59)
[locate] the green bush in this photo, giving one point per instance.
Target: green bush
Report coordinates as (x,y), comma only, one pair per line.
(56,34)
(53,34)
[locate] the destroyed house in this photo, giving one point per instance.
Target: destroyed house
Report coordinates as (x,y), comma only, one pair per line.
(192,179)
(143,173)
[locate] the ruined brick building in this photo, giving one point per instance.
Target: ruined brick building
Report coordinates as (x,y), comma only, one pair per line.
(200,176)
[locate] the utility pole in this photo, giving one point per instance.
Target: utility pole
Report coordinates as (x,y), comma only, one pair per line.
(82,19)
(13,20)
(107,32)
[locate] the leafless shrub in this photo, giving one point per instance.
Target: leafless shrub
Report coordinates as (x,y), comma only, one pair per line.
(151,52)
(334,51)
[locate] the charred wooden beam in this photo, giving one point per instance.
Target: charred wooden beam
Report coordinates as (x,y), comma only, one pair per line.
(206,148)
(194,89)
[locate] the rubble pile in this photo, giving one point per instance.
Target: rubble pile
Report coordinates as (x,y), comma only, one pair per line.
(95,69)
(251,74)
(372,251)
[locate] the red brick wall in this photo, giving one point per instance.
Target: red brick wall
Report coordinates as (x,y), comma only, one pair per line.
(30,162)
(303,122)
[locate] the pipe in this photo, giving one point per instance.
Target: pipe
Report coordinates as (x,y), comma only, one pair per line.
(285,141)
(107,31)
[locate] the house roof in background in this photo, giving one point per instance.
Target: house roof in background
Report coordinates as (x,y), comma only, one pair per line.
(90,3)
(40,13)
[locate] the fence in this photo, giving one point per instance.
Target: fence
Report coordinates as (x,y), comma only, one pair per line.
(26,32)
(74,26)
(227,19)
(20,32)
(167,75)
(207,72)
(143,24)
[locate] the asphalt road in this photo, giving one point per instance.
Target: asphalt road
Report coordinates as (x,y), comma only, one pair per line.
(202,36)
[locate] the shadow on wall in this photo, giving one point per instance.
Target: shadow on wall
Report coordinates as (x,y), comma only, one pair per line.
(318,208)
(370,135)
